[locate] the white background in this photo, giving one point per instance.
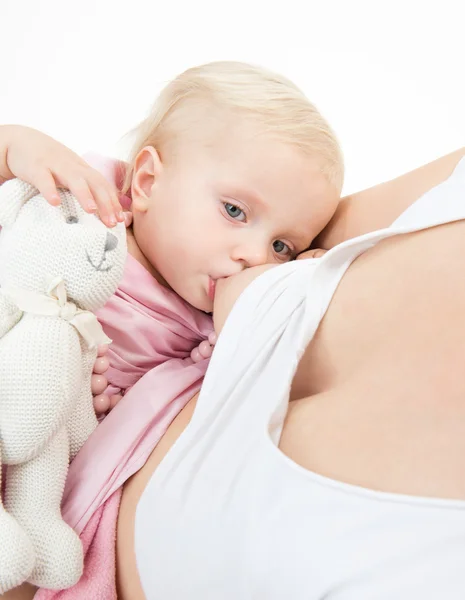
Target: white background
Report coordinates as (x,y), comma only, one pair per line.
(389,76)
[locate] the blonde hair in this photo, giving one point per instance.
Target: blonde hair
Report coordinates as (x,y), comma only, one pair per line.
(268,99)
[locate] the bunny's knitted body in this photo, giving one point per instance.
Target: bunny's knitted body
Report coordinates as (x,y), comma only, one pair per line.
(56,266)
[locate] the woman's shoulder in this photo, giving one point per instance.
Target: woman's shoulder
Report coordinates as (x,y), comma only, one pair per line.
(378,206)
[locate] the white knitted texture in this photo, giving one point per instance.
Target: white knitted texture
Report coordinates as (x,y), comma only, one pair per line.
(46,409)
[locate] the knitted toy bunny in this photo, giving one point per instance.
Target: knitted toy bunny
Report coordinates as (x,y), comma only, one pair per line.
(56,265)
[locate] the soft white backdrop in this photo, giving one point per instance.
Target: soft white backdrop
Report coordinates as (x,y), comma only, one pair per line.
(389,76)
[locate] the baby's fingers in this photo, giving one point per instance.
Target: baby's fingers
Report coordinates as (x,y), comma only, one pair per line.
(101,404)
(95,194)
(80,189)
(99,384)
(45,183)
(101,365)
(106,199)
(314,253)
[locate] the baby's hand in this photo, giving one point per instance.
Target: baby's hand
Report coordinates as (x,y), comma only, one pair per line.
(204,349)
(102,402)
(314,253)
(46,164)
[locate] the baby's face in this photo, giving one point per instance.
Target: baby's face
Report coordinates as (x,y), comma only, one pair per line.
(241,201)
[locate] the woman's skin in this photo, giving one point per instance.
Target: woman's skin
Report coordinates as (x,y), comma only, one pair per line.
(383,372)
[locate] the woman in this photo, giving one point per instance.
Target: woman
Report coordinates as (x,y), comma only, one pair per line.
(376,403)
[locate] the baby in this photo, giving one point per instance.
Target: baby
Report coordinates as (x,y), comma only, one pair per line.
(233,168)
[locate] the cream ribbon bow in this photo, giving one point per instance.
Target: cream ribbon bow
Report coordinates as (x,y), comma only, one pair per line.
(54,303)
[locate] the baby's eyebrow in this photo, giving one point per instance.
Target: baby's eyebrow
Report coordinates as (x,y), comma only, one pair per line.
(248,195)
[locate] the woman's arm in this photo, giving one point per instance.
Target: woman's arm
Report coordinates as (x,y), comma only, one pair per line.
(377,207)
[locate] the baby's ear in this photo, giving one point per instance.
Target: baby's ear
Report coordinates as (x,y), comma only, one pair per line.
(13,195)
(147,169)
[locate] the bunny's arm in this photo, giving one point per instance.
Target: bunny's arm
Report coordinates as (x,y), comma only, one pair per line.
(10,314)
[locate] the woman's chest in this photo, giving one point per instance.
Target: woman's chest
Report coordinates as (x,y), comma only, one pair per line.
(397,444)
(399,314)
(379,396)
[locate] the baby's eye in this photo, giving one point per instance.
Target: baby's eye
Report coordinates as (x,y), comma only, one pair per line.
(72,219)
(234,212)
(281,248)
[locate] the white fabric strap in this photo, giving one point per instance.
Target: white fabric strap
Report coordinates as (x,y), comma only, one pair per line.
(54,303)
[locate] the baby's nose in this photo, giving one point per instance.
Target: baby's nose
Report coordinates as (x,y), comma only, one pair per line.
(253,256)
(251,251)
(111,242)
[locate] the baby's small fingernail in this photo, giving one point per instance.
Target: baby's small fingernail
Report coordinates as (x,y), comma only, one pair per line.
(102,349)
(120,216)
(101,403)
(92,207)
(111,220)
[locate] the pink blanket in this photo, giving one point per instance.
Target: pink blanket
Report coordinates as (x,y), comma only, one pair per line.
(153,333)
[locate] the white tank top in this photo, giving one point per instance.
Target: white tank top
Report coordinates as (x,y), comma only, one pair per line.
(227,516)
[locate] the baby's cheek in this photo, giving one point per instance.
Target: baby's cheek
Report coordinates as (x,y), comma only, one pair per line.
(228,291)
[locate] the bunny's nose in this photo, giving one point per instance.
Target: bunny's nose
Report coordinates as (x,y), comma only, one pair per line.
(111,242)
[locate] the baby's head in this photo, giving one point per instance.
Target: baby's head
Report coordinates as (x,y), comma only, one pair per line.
(233,168)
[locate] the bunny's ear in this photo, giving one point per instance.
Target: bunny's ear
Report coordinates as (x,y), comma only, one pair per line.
(13,195)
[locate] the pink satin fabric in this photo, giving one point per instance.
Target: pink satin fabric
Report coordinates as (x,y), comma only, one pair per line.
(153,332)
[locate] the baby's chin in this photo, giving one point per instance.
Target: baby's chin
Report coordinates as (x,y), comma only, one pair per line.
(228,290)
